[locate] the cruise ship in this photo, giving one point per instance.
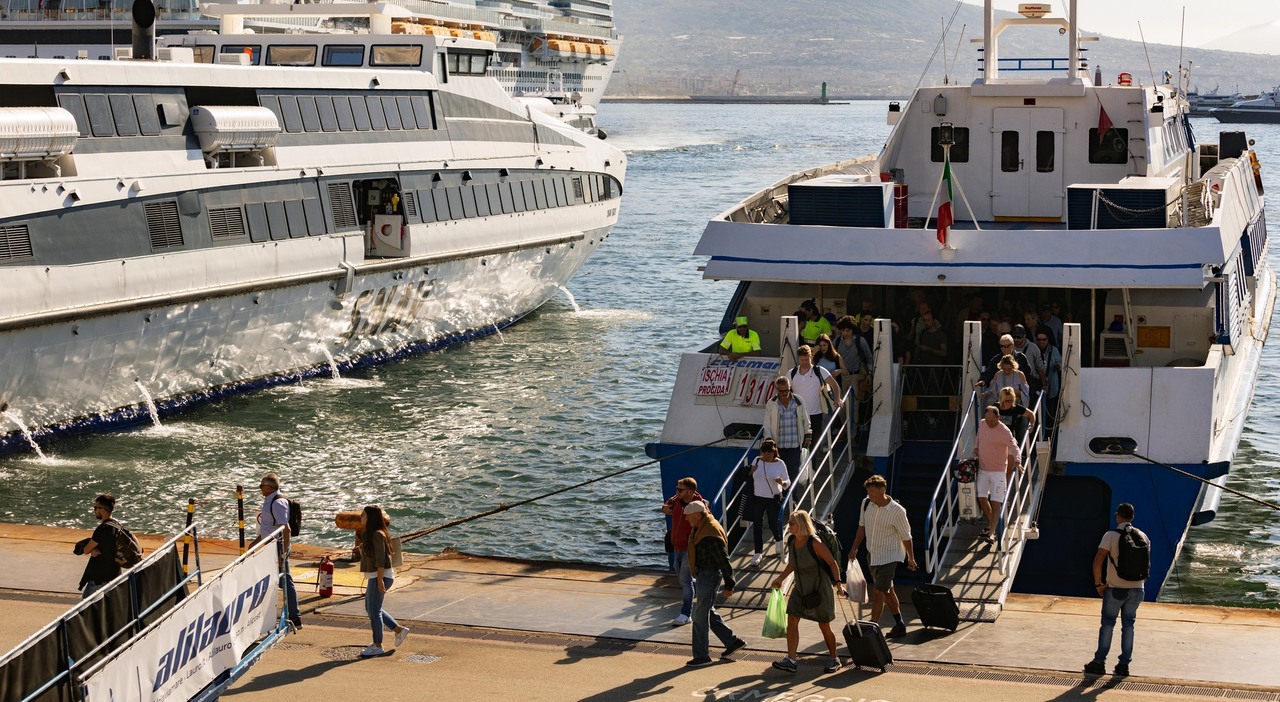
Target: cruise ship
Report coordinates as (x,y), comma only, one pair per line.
(542,47)
(243,210)
(1043,198)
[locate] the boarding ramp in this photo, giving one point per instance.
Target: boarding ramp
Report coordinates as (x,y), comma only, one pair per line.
(827,470)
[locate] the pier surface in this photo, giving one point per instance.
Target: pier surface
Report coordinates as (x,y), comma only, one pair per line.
(488,628)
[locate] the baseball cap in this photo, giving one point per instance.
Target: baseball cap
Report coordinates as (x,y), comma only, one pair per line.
(695,507)
(740,322)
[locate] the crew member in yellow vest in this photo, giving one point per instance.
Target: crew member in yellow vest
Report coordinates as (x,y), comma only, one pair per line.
(740,341)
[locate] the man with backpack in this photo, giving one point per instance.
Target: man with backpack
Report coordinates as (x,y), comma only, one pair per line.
(276,512)
(100,548)
(883,523)
(1128,551)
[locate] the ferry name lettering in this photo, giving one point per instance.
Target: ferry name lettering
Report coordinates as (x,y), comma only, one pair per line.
(200,633)
(374,312)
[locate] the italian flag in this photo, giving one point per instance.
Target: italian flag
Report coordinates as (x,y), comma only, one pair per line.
(945,218)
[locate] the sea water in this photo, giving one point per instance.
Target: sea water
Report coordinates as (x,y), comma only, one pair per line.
(566,394)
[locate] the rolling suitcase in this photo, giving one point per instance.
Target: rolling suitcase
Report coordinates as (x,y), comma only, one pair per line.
(936,606)
(867,645)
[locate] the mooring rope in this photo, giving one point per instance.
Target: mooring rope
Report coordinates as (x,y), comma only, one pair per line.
(502,507)
(1210,483)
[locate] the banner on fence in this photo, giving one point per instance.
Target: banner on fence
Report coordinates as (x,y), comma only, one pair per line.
(199,640)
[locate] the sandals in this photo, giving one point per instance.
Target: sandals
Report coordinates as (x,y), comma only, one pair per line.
(986,537)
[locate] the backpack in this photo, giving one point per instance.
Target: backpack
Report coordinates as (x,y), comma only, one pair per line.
(128,550)
(1133,551)
(295,515)
(828,537)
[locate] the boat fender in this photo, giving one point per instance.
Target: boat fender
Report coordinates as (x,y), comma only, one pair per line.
(1257,169)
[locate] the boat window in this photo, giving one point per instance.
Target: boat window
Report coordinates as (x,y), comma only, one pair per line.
(252,49)
(1009,157)
(328,118)
(426,206)
(504,194)
(259,230)
(75,105)
(1044,152)
(440,197)
(148,117)
(405,109)
(292,114)
(310,116)
(495,200)
(297,218)
(343,56)
(455,203)
(391,55)
(346,119)
(422,111)
(530,199)
(100,120)
(272,102)
(959,149)
(376,116)
(314,215)
(291,55)
(361,112)
(468,202)
(482,200)
(479,63)
(392,113)
(203,54)
(1112,148)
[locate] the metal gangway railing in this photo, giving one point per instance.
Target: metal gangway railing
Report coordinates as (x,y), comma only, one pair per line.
(981,576)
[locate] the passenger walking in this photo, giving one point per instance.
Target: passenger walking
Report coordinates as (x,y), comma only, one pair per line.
(883,523)
(375,566)
(100,548)
(769,484)
(998,456)
(812,593)
(709,561)
(787,421)
(275,513)
(816,388)
(1128,551)
(1014,415)
(686,493)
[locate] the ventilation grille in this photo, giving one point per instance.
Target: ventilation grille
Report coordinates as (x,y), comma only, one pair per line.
(1114,347)
(410,205)
(15,243)
(163,226)
(226,222)
(343,206)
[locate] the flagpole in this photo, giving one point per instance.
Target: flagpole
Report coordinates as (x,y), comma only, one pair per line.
(956,182)
(946,156)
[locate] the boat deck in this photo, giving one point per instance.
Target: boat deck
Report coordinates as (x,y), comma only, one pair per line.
(619,620)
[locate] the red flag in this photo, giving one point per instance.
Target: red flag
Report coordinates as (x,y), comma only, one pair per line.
(1104,122)
(945,218)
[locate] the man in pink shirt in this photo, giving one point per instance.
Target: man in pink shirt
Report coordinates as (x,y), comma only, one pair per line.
(998,456)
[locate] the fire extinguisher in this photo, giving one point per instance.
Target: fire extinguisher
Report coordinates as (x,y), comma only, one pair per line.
(325,579)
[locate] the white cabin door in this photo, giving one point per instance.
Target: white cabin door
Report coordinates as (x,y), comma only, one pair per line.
(1027,154)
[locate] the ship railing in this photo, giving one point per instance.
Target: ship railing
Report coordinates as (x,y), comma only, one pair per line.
(1022,502)
(826,471)
(944,507)
(730,499)
(1031,63)
(770,204)
(102,623)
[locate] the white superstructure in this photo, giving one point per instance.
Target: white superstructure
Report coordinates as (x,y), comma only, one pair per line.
(200,228)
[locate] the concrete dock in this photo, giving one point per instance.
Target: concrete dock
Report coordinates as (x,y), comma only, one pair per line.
(500,629)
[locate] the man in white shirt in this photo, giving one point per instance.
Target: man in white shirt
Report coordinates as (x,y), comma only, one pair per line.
(275,513)
(810,383)
(883,523)
(1120,597)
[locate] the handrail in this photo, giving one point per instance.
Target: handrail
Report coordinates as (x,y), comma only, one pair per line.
(824,478)
(1023,489)
(727,503)
(936,529)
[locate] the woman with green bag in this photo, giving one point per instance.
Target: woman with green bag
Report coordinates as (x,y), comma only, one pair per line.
(812,593)
(775,616)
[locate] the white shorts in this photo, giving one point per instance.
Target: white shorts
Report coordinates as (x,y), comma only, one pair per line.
(992,485)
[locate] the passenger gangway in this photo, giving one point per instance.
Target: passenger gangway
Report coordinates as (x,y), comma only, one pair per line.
(980,574)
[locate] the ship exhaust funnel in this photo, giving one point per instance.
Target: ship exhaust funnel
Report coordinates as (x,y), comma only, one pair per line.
(144,30)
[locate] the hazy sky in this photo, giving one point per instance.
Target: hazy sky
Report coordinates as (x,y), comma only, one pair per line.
(1206,20)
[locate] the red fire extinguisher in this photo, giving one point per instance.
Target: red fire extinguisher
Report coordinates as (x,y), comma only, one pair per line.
(325,579)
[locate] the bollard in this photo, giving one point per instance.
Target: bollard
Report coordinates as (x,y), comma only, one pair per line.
(240,513)
(186,540)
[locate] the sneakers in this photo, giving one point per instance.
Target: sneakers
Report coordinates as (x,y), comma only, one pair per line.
(401,636)
(680,620)
(832,666)
(1122,668)
(897,632)
(698,662)
(371,651)
(785,665)
(733,647)
(1095,668)
(755,559)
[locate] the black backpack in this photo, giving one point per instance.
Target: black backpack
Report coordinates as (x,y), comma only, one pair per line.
(128,550)
(295,515)
(1133,554)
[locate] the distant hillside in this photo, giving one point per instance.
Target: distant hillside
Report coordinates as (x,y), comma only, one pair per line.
(861,47)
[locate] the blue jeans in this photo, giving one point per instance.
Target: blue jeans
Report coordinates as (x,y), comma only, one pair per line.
(290,596)
(705,618)
(686,582)
(373,605)
(1123,602)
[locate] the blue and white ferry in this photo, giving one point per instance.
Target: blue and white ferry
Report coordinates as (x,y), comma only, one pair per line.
(1035,185)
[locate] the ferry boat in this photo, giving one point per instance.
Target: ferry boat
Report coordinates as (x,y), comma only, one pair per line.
(244,210)
(1263,109)
(539,44)
(1021,192)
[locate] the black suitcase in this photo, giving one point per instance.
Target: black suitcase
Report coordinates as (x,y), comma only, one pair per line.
(867,646)
(936,606)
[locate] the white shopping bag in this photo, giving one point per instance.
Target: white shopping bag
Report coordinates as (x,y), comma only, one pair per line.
(855,585)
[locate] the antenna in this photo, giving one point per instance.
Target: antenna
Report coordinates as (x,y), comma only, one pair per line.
(939,45)
(1148,55)
(1182,36)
